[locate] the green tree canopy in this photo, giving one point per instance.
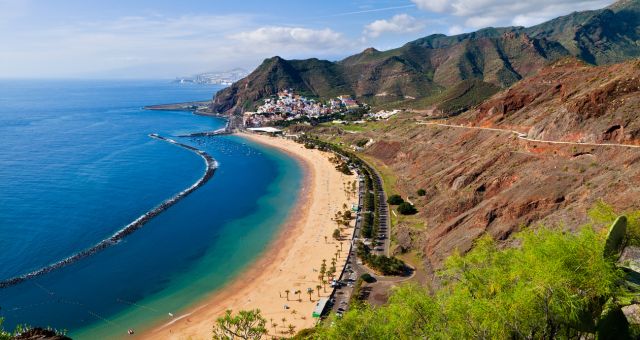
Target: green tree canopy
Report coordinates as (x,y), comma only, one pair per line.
(406,208)
(395,200)
(336,234)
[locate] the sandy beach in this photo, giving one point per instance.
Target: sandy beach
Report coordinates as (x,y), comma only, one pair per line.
(290,263)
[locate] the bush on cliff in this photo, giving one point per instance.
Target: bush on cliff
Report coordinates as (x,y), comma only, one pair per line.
(395,200)
(406,208)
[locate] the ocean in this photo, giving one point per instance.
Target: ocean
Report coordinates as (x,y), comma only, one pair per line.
(77,164)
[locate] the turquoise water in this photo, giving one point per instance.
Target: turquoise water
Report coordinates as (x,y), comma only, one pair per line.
(77,164)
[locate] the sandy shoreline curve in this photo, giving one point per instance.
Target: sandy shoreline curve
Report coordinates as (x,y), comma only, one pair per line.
(291,261)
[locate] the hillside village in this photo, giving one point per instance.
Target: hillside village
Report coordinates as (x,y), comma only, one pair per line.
(289,106)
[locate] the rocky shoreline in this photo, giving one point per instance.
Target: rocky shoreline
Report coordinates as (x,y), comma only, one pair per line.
(211,166)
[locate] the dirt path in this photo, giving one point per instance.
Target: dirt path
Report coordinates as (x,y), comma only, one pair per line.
(523,136)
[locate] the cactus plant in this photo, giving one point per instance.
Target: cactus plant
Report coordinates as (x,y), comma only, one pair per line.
(616,236)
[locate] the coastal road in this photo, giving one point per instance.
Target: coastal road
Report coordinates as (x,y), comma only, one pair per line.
(523,136)
(341,295)
(384,229)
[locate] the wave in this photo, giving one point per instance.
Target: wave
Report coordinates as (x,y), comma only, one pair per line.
(211,166)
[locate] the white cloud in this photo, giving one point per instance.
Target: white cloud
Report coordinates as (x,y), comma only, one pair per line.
(482,13)
(456,29)
(401,23)
(159,46)
(274,38)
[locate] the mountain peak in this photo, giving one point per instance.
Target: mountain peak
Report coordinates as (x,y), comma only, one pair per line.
(625,4)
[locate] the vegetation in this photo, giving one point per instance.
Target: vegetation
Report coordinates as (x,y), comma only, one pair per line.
(362,142)
(380,263)
(336,234)
(366,277)
(465,95)
(4,335)
(395,200)
(616,236)
(604,214)
(406,208)
(553,285)
(422,192)
(344,168)
(244,325)
(28,332)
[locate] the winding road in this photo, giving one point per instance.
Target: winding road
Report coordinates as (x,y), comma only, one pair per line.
(523,136)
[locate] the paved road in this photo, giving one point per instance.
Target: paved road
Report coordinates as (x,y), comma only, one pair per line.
(385,222)
(523,136)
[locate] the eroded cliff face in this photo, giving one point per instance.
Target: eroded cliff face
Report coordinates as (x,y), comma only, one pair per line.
(569,101)
(484,182)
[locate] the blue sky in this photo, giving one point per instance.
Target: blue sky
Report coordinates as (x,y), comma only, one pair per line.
(164,39)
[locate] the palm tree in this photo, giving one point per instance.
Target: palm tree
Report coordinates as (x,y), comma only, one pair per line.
(324,285)
(275,326)
(340,246)
(318,289)
(310,292)
(287,292)
(284,320)
(299,292)
(292,329)
(325,239)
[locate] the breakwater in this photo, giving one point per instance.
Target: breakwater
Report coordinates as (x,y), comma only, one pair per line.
(211,166)
(187,106)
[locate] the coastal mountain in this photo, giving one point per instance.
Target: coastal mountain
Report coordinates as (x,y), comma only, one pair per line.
(490,180)
(482,61)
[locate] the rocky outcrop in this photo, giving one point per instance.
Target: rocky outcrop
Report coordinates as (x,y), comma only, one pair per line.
(40,334)
(569,101)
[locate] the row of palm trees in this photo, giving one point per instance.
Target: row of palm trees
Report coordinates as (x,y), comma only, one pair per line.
(289,329)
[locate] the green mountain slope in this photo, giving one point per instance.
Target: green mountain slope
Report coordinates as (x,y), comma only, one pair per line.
(435,64)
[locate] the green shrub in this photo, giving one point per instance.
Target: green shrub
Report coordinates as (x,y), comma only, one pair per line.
(421,192)
(4,335)
(395,200)
(550,286)
(604,214)
(380,263)
(406,208)
(366,277)
(362,142)
(336,234)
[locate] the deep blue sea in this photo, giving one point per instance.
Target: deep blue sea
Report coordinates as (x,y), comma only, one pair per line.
(76,165)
